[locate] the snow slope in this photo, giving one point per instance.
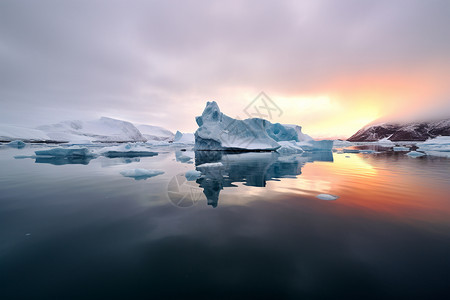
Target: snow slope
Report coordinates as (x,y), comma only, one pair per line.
(155,133)
(11,133)
(101,130)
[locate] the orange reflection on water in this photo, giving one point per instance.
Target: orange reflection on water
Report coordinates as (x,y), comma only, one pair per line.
(398,186)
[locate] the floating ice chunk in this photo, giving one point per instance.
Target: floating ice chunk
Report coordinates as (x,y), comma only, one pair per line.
(415,154)
(158,143)
(341,144)
(312,145)
(400,149)
(16,144)
(367,151)
(441,143)
(127,150)
(65,152)
(184,138)
(140,173)
(289,147)
(217,131)
(210,165)
(327,197)
(192,175)
(385,141)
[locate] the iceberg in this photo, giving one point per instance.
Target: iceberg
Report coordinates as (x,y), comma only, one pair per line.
(328,197)
(16,144)
(312,145)
(397,149)
(127,150)
(139,174)
(192,175)
(184,138)
(286,132)
(65,152)
(217,131)
(415,154)
(289,148)
(441,143)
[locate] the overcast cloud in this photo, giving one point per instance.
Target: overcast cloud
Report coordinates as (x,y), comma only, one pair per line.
(159,62)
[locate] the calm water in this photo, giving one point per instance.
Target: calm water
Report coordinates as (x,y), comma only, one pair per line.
(251,228)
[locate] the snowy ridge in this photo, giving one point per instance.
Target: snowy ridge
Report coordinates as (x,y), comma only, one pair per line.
(85,132)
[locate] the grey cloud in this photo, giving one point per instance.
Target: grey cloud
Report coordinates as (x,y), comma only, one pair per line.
(143,60)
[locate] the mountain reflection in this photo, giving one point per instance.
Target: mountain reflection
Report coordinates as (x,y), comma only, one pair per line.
(251,168)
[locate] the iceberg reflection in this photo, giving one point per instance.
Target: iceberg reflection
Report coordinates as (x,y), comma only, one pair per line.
(251,168)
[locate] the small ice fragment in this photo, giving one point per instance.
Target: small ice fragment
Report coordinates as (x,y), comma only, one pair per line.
(27,234)
(140,173)
(65,152)
(210,165)
(415,154)
(327,197)
(401,149)
(192,175)
(16,144)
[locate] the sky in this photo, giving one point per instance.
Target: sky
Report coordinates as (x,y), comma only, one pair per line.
(329,66)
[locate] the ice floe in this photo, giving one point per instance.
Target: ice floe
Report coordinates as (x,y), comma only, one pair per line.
(140,173)
(327,197)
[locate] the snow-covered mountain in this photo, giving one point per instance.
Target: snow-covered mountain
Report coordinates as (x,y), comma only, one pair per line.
(100,130)
(415,131)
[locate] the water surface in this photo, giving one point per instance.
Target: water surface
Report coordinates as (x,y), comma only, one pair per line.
(251,227)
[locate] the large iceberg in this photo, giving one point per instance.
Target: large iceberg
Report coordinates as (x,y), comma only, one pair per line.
(217,131)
